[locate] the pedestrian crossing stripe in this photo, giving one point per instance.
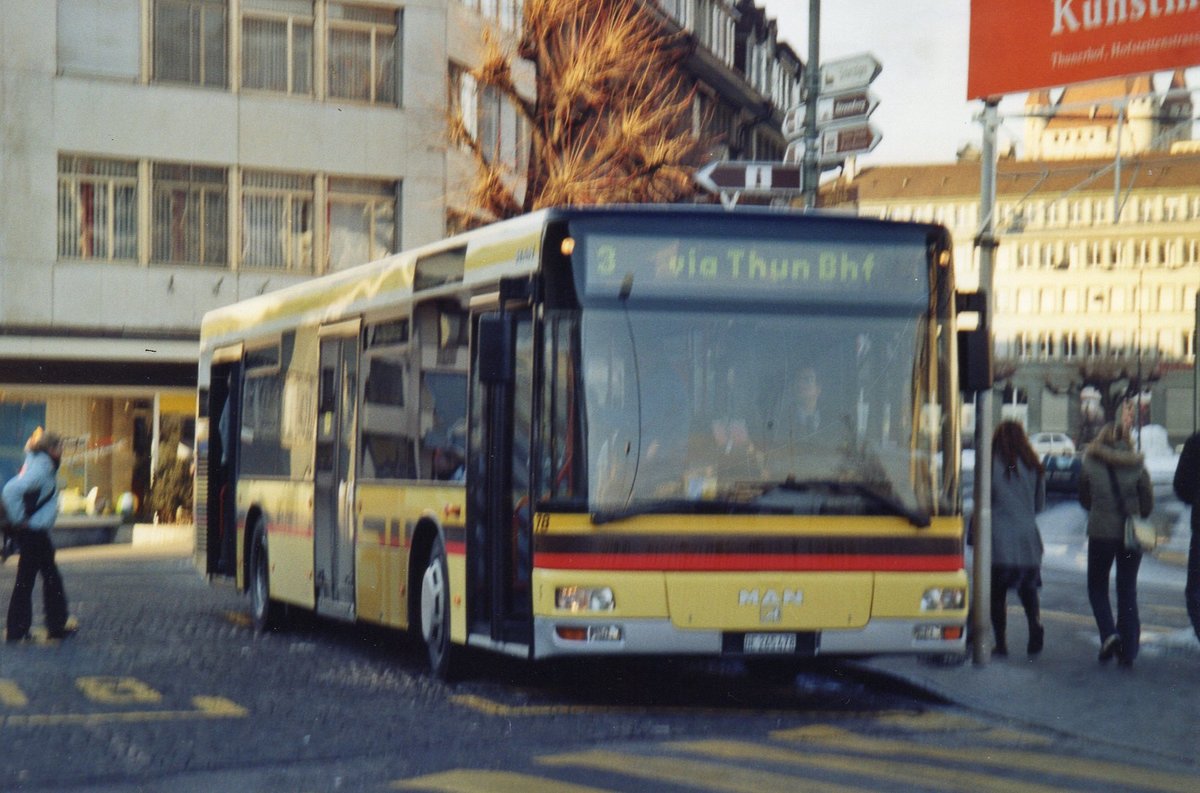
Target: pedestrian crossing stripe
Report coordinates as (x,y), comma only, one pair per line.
(492,781)
(835,760)
(1108,773)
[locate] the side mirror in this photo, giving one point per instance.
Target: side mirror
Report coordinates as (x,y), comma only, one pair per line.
(974,346)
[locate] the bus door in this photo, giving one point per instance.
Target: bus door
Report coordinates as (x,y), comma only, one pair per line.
(224,418)
(333,492)
(500,509)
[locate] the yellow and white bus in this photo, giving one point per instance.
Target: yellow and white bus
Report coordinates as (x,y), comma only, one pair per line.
(641,430)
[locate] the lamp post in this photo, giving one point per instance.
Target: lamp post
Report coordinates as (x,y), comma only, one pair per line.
(981,620)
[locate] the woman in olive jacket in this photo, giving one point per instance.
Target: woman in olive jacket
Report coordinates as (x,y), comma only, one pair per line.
(1106,537)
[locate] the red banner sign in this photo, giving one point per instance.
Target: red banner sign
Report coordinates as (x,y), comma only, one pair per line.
(1021,45)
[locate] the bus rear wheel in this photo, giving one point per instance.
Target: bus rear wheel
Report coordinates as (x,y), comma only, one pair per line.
(266,614)
(435,613)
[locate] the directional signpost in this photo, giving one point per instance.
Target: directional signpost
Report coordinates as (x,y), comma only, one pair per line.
(838,143)
(849,74)
(849,106)
(838,127)
(732,179)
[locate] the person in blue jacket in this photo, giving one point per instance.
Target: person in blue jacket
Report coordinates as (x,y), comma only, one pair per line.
(31,500)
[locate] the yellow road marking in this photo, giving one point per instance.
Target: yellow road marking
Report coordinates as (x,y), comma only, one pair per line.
(1107,773)
(11,695)
(693,773)
(929,776)
(956,723)
(466,781)
(239,618)
(490,707)
(206,708)
(118,691)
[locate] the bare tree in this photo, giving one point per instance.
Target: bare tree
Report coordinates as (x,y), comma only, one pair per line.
(611,117)
(1116,380)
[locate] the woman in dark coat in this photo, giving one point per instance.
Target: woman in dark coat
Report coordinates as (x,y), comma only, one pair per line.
(1018,494)
(1110,458)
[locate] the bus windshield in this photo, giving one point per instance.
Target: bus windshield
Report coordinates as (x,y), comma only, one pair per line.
(772,412)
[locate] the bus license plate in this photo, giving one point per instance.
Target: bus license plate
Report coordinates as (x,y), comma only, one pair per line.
(761,643)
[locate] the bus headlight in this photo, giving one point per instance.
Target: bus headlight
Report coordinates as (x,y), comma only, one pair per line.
(584,598)
(943,599)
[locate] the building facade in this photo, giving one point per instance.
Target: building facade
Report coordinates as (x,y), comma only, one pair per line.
(161,158)
(1098,263)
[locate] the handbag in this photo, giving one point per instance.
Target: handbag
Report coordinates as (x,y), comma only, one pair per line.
(1140,534)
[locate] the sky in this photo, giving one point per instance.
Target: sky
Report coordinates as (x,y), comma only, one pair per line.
(923,112)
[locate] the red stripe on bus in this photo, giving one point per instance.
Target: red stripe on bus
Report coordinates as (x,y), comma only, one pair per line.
(748,562)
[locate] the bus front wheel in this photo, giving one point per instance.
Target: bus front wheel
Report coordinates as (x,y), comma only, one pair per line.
(435,612)
(266,614)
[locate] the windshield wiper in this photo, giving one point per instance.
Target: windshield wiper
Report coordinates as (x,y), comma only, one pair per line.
(685,506)
(876,494)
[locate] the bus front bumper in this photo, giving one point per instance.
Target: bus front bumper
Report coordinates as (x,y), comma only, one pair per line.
(562,636)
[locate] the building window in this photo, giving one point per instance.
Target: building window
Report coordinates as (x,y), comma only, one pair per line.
(362,221)
(97,209)
(362,53)
(277,221)
(99,37)
(491,119)
(277,45)
(190,214)
(189,42)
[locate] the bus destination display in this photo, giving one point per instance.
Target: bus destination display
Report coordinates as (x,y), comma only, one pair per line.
(833,271)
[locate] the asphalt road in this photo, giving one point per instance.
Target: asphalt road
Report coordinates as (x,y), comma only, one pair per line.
(167,688)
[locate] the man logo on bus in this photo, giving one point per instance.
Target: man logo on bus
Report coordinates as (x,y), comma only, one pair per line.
(770,602)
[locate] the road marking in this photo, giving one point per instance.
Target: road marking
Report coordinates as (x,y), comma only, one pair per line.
(239,618)
(205,708)
(1107,773)
(464,781)
(693,773)
(957,723)
(11,695)
(928,776)
(490,707)
(117,691)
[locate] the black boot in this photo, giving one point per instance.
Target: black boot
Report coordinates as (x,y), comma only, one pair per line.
(1001,647)
(1037,637)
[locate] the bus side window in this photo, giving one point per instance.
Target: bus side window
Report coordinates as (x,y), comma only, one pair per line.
(388,415)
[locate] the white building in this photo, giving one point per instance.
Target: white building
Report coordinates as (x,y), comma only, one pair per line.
(1098,263)
(160,158)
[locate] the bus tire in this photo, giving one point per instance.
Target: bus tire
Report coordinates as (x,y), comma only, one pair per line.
(266,614)
(435,613)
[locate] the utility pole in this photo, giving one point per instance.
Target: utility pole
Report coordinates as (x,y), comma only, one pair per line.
(811,92)
(981,620)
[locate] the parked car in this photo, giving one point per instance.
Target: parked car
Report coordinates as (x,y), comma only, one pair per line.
(1052,444)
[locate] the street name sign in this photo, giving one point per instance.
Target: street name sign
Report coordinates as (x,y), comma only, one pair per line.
(838,143)
(848,74)
(750,178)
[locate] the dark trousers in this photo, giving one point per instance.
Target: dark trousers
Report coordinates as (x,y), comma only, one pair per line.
(1101,555)
(1191,591)
(37,557)
(1026,584)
